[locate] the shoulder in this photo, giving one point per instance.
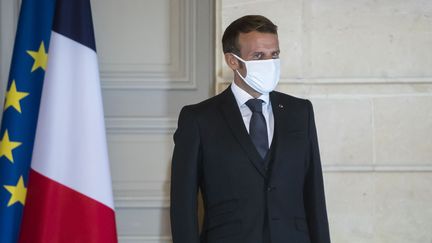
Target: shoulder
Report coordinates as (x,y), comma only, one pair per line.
(206,106)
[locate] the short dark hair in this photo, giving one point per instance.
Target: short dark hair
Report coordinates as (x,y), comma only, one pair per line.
(245,24)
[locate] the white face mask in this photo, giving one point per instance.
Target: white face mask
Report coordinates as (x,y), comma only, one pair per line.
(262,75)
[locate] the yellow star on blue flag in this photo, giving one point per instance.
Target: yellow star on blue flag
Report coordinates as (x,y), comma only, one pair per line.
(6,146)
(18,192)
(40,57)
(20,111)
(14,97)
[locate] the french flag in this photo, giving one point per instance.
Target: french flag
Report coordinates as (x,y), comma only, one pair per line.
(69,196)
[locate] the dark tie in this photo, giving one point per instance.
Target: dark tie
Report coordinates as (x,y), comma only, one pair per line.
(258,127)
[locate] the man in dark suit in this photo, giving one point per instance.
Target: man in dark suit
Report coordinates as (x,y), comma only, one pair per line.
(252,152)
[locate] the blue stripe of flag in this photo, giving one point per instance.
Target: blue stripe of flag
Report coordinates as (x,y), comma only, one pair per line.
(73,19)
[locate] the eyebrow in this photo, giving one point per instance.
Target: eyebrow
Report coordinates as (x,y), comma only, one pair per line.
(261,52)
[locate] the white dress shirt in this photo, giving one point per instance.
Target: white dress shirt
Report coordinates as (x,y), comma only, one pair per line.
(242,97)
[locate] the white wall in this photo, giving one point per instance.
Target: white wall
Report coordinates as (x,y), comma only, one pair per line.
(155,56)
(8,20)
(367,67)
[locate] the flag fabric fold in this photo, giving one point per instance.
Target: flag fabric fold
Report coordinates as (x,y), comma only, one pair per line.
(64,194)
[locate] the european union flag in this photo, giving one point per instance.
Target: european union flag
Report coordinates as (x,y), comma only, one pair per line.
(20,111)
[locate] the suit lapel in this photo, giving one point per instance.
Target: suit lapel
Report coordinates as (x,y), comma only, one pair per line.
(277,109)
(232,115)
(283,123)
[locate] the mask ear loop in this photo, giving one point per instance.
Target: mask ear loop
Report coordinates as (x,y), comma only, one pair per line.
(244,79)
(238,58)
(243,61)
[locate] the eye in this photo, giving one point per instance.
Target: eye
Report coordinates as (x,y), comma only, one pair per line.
(257,56)
(275,55)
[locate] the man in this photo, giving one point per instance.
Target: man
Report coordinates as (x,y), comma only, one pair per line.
(252,152)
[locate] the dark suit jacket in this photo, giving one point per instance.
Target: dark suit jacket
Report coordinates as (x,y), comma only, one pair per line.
(213,153)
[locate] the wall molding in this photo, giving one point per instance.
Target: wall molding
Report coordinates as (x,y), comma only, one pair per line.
(378,168)
(141,125)
(181,74)
(144,202)
(144,239)
(145,194)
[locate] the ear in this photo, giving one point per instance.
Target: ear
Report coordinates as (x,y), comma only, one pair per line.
(231,61)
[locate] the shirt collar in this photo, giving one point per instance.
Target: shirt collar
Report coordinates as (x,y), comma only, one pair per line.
(242,96)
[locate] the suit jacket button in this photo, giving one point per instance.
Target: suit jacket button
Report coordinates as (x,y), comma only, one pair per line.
(271,188)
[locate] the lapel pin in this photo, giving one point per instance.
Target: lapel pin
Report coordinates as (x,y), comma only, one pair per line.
(280,106)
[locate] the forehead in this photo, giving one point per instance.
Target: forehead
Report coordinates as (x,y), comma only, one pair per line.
(257,41)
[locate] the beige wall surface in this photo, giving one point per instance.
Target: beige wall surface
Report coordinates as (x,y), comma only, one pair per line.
(367,67)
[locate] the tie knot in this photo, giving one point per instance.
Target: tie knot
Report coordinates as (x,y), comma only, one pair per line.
(255,105)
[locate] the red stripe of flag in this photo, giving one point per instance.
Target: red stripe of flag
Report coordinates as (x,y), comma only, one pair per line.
(56,213)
